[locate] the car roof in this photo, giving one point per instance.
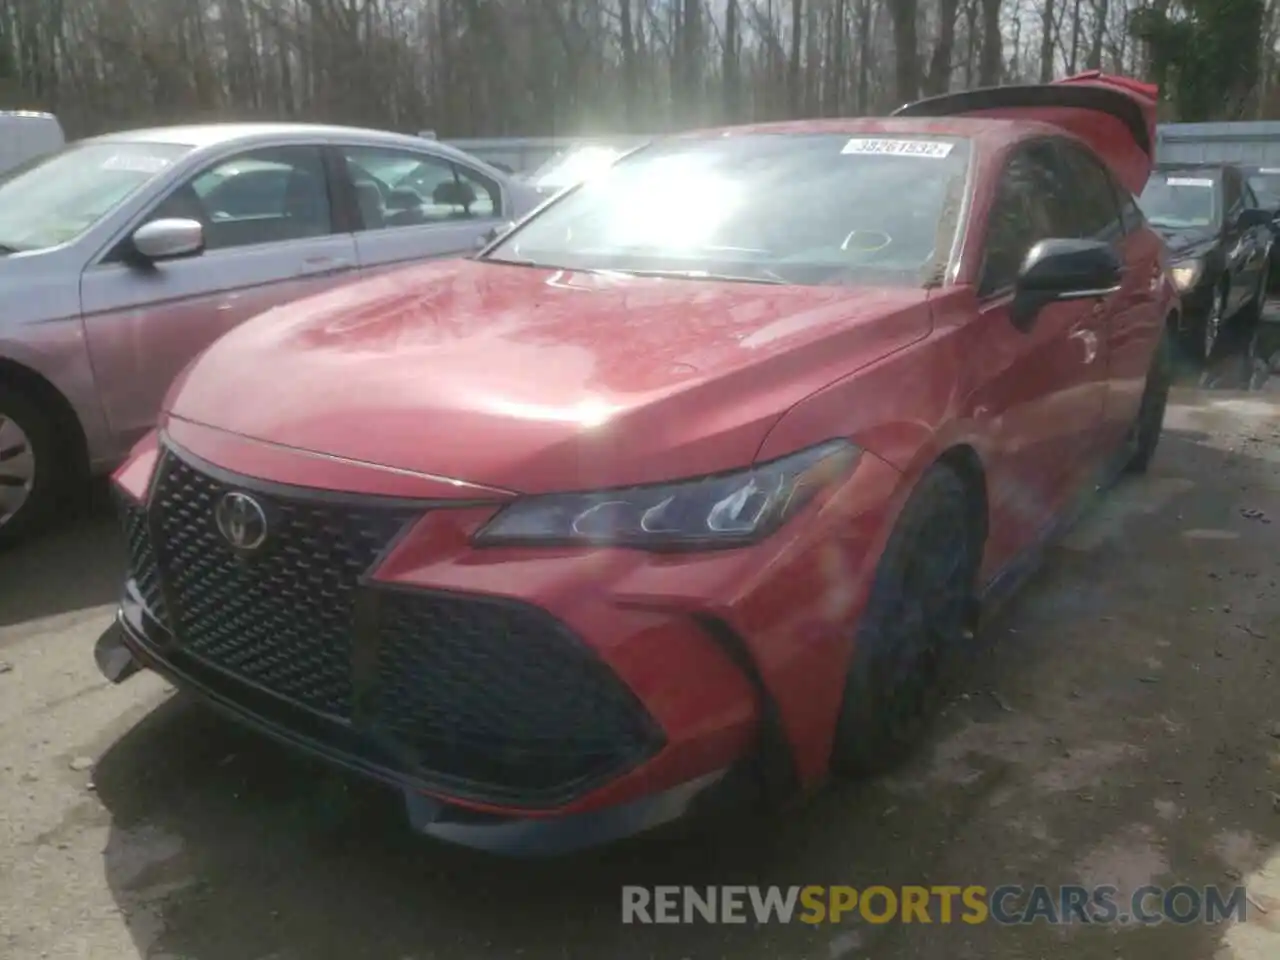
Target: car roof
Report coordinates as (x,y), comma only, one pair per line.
(214,135)
(989,131)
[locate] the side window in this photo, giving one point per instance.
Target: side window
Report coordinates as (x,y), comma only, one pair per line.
(1233,198)
(263,196)
(1130,213)
(1095,213)
(1026,209)
(402,188)
(1250,198)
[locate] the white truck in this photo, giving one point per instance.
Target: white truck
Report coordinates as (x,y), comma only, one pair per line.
(25,134)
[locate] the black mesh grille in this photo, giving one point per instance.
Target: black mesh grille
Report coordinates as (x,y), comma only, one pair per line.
(142,556)
(500,694)
(493,700)
(281,617)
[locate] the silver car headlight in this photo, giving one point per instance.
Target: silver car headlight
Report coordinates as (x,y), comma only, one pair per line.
(1186,274)
(720,510)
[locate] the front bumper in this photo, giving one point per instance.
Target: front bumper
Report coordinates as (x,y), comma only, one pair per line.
(372,632)
(136,641)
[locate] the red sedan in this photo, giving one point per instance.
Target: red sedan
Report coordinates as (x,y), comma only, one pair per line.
(685,487)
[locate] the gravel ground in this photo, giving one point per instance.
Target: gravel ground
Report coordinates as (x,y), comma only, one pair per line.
(1120,727)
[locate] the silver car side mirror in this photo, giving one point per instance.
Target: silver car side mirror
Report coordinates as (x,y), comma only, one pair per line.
(169,239)
(493,234)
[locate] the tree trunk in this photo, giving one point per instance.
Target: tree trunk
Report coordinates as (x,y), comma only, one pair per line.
(1046,41)
(729,65)
(793,64)
(1101,10)
(991,65)
(939,80)
(906,49)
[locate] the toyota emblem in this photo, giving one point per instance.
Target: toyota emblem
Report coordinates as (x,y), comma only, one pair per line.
(241,521)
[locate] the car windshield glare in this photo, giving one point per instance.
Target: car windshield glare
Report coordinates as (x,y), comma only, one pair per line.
(780,208)
(56,198)
(578,163)
(1179,200)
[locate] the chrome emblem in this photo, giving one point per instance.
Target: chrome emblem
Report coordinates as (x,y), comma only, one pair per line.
(241,521)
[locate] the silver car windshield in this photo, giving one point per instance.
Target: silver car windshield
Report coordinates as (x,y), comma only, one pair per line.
(56,198)
(769,208)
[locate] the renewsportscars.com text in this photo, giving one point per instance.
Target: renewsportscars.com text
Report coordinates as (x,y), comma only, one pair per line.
(1008,904)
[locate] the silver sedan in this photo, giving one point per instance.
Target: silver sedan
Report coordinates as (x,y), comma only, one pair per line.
(124,256)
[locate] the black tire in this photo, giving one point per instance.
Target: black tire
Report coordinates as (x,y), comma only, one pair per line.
(1148,425)
(920,613)
(39,507)
(1206,335)
(1251,313)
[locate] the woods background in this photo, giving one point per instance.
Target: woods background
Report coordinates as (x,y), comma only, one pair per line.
(561,67)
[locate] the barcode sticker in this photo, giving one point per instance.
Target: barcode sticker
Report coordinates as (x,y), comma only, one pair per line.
(932,149)
(1189,182)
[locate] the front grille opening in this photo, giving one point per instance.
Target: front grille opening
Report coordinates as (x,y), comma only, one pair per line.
(492,700)
(282,617)
(500,694)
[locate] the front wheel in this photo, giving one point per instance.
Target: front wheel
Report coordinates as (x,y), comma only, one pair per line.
(29,472)
(1210,329)
(1149,423)
(1252,313)
(919,613)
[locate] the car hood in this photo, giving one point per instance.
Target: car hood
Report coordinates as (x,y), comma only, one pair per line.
(529,379)
(1186,240)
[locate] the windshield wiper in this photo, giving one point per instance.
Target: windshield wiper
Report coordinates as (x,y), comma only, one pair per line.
(763,277)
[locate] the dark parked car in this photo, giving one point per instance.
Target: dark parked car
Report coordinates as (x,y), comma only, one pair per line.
(1265,182)
(1219,241)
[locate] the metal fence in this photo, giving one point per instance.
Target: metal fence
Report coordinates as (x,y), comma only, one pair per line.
(1249,142)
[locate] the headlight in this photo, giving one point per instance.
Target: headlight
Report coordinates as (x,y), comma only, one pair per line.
(720,510)
(1186,274)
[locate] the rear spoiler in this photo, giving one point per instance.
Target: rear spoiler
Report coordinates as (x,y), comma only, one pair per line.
(1118,97)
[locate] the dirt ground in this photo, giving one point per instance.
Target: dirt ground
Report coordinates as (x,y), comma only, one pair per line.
(1121,727)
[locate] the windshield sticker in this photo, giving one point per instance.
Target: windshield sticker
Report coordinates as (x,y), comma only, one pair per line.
(932,149)
(135,163)
(1189,182)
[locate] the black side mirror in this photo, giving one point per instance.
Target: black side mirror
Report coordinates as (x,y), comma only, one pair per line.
(1057,270)
(494,234)
(1252,217)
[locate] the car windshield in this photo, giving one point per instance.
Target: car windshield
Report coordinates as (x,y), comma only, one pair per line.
(1179,200)
(1266,185)
(780,208)
(572,166)
(58,197)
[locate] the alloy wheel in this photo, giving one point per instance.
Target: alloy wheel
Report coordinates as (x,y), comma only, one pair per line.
(17,468)
(929,617)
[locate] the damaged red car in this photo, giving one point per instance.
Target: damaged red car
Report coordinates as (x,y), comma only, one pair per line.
(684,489)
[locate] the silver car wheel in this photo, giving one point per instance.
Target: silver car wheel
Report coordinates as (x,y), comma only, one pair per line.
(17,468)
